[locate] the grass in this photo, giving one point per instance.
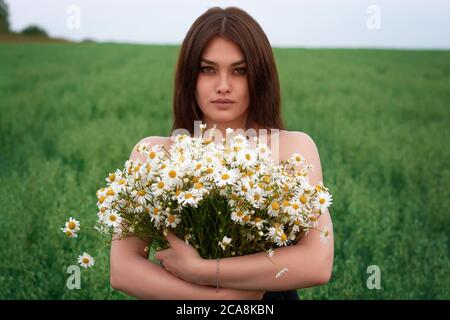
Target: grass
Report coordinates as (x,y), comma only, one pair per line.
(70,113)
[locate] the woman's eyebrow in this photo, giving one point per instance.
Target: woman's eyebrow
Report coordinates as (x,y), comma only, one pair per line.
(215,64)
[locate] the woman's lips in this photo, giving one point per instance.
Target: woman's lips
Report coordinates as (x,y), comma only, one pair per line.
(223,104)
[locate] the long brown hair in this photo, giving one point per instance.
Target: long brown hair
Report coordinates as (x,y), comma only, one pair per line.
(239,27)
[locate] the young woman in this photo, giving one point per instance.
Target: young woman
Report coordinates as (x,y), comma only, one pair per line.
(226,77)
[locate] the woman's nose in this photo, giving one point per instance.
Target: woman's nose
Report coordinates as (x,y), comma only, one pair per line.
(224,85)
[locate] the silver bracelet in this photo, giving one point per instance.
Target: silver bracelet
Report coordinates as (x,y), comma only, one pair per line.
(217,275)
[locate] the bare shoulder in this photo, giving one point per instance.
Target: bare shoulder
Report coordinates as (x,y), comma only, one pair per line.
(300,142)
(152,140)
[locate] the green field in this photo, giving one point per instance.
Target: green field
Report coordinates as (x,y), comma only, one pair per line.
(70,114)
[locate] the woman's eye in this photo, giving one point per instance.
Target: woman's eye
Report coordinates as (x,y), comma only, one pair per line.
(206,69)
(241,70)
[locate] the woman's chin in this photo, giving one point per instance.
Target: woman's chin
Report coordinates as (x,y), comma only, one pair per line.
(223,116)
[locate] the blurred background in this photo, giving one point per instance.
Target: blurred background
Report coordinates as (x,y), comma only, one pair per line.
(81,82)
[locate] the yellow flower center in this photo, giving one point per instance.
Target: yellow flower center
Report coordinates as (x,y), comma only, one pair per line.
(240,213)
(198,186)
(171,219)
(225,176)
(110,192)
(160,184)
(237,148)
(68,233)
(322,200)
(136,169)
(246,218)
(177,192)
(256,197)
(112,218)
(303,199)
(141,193)
(121,181)
(112,177)
(85,260)
(172,174)
(275,205)
(295,206)
(101,199)
(155,211)
(198,166)
(247,156)
(152,154)
(188,195)
(72,225)
(209,170)
(283,237)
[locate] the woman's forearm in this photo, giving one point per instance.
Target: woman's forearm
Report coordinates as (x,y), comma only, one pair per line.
(143,279)
(255,271)
(309,263)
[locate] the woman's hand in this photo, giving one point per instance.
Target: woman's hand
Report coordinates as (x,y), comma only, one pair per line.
(181,259)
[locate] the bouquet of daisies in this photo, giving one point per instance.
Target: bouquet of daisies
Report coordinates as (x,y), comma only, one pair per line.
(227,198)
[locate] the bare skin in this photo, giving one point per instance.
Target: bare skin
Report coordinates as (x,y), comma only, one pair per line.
(185,275)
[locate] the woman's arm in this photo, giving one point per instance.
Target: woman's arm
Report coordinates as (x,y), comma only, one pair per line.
(309,263)
(132,273)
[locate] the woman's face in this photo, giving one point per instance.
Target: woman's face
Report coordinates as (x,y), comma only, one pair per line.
(223,75)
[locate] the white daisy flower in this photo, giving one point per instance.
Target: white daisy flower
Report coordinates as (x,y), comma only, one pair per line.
(304,197)
(187,198)
(240,142)
(264,151)
(159,187)
(255,196)
(119,185)
(155,213)
(322,201)
(141,196)
(295,208)
(172,220)
(281,273)
(112,219)
(226,177)
(86,260)
(172,176)
(114,176)
(225,242)
(73,225)
(281,239)
(246,158)
(274,208)
(69,232)
(270,253)
(297,159)
(154,154)
(325,234)
(238,216)
(258,223)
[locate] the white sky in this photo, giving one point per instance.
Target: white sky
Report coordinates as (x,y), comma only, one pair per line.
(287,23)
